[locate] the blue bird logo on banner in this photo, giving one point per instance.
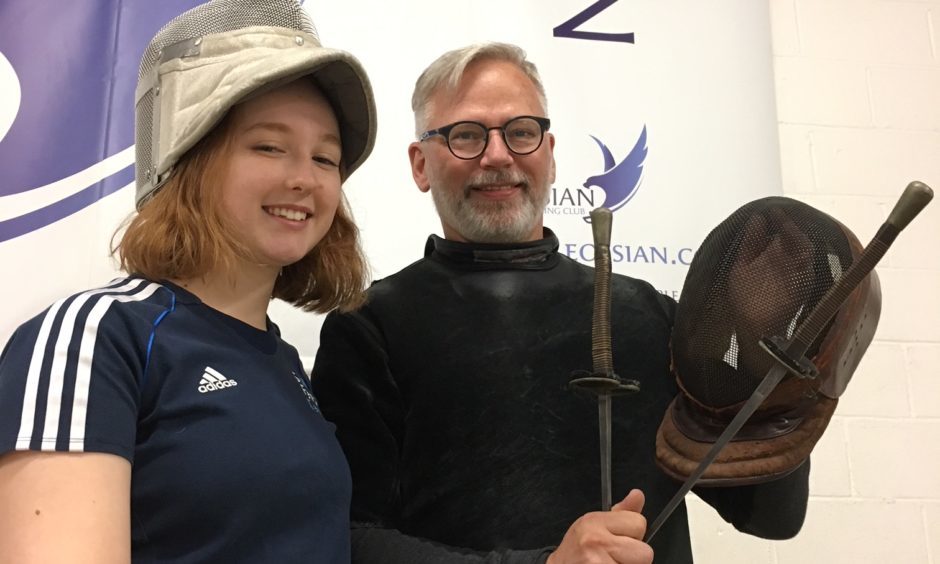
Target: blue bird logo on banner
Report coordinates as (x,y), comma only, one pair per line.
(68,71)
(619,181)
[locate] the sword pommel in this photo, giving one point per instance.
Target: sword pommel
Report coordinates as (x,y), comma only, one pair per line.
(914,198)
(602,220)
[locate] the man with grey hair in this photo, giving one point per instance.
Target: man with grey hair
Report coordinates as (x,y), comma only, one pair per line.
(501,203)
(449,387)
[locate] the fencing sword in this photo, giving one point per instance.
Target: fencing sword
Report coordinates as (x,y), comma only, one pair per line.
(602,381)
(789,354)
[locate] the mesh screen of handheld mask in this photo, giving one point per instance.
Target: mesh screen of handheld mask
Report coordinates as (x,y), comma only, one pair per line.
(757,274)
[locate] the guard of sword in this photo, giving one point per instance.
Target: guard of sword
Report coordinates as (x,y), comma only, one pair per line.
(601,380)
(790,353)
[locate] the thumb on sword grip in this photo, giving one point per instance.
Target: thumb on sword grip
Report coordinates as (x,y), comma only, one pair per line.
(634,501)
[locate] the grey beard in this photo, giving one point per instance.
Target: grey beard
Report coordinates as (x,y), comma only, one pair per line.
(491,222)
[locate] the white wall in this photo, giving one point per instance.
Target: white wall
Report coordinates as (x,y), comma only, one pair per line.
(858,101)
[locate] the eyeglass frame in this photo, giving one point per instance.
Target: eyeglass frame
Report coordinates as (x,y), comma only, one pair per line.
(444,131)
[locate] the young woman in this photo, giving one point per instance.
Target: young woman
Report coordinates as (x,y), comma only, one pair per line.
(161,417)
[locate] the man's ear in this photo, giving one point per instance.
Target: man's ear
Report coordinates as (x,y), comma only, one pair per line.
(418,162)
(551,150)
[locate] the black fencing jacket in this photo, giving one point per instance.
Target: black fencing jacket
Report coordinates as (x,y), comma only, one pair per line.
(449,390)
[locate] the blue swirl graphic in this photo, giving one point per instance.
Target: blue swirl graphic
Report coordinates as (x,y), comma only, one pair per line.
(77,67)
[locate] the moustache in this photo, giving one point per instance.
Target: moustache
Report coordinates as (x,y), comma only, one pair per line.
(497,178)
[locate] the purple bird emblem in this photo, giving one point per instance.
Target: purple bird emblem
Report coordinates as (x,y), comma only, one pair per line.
(619,181)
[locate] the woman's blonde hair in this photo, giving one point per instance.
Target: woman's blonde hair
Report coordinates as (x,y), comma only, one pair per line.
(181,233)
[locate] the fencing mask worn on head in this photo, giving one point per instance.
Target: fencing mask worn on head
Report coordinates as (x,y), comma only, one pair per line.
(215,55)
(759,274)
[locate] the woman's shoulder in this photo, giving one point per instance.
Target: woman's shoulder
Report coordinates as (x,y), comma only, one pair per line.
(121,305)
(69,375)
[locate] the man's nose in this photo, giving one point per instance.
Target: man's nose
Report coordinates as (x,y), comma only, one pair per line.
(497,154)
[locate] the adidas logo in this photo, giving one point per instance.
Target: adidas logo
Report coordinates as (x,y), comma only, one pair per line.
(213,380)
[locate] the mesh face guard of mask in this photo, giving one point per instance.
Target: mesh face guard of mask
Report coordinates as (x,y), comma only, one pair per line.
(759,274)
(215,55)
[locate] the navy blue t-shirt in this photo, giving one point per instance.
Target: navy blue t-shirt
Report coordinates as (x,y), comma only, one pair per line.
(232,460)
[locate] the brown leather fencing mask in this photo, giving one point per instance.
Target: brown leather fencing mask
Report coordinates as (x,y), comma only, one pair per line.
(759,274)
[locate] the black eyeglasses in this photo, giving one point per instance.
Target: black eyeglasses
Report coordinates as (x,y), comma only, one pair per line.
(468,139)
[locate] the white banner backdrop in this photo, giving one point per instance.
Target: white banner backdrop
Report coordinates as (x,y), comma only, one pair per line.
(690,100)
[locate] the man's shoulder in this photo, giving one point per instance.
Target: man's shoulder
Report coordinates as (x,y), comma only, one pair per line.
(624,287)
(385,296)
(405,282)
(636,284)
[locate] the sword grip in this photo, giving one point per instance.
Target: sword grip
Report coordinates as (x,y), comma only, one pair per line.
(601,223)
(914,198)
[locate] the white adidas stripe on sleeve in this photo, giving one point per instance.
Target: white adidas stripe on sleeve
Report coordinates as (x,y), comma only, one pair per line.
(83,370)
(59,361)
(32,378)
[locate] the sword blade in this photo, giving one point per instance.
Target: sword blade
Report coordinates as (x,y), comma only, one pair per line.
(604,424)
(767,385)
